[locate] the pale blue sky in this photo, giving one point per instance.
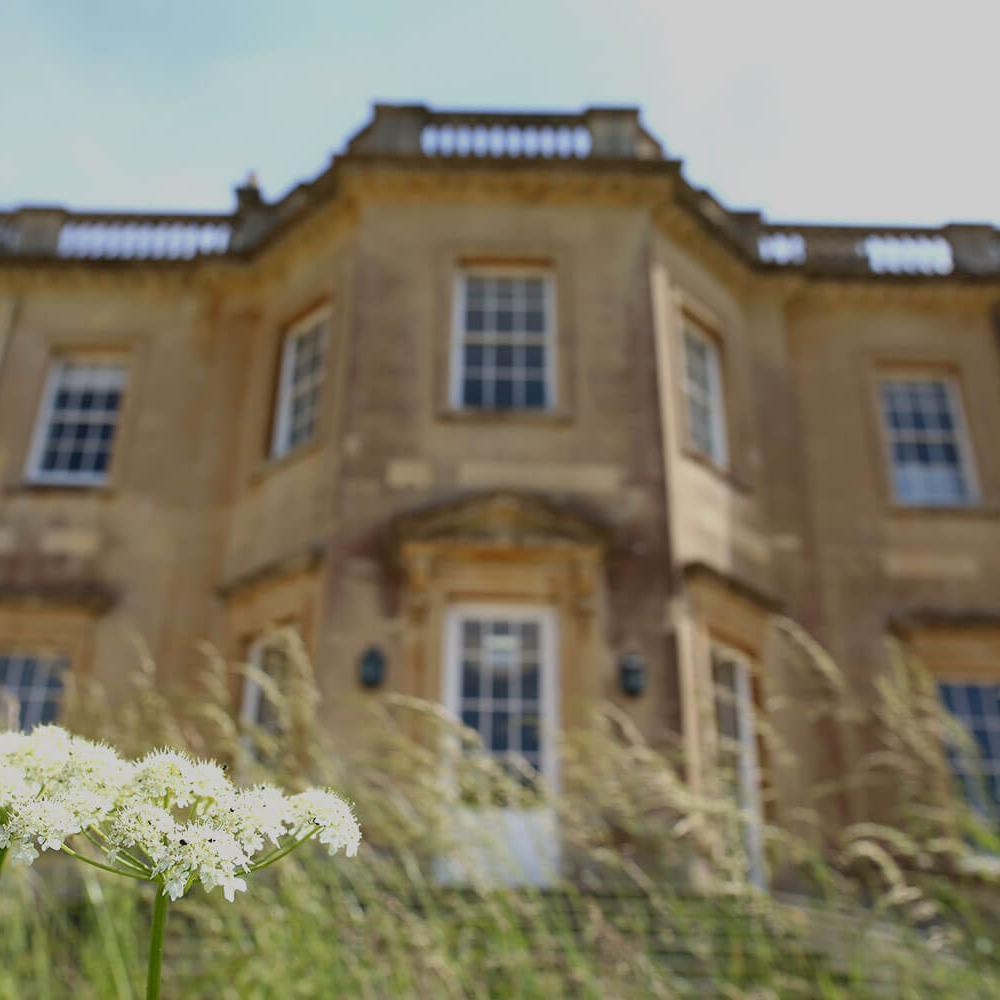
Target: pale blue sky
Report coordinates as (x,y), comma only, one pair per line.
(872,111)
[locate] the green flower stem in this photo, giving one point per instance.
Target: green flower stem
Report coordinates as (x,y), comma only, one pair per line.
(156,944)
(3,856)
(126,859)
(104,868)
(281,853)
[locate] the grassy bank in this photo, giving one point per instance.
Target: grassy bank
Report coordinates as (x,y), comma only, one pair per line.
(656,901)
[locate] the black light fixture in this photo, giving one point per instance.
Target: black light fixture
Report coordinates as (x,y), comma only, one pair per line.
(372,667)
(632,674)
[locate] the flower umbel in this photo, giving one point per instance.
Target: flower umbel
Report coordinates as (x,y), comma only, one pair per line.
(166,818)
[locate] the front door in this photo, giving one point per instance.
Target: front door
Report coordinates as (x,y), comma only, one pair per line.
(501,681)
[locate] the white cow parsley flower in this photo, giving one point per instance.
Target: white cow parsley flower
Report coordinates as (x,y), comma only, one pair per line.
(175,780)
(46,823)
(338,829)
(253,815)
(42,754)
(162,777)
(141,825)
(13,785)
(12,742)
(53,785)
(167,817)
(204,852)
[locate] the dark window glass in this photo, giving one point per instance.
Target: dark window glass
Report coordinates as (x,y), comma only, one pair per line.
(504,394)
(529,682)
(501,732)
(501,684)
(534,394)
(472,392)
(470,680)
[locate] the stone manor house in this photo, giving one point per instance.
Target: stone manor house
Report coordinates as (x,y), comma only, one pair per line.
(500,410)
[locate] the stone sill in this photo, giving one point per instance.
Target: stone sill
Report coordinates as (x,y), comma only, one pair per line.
(103,491)
(973,512)
(500,418)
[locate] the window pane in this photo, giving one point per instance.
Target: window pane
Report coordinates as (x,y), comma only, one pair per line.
(500,741)
(703,389)
(534,358)
(529,683)
(470,680)
(501,685)
(299,390)
(35,684)
(977,774)
(504,394)
(81,413)
(500,691)
(534,394)
(529,735)
(925,447)
(504,330)
(534,321)
(472,392)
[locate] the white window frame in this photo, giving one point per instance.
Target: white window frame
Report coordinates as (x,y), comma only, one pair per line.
(282,424)
(749,765)
(967,459)
(548,668)
(34,472)
(458,334)
(718,454)
(53,661)
(965,719)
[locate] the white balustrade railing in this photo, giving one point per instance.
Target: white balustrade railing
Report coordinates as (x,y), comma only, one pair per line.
(497,141)
(877,252)
(141,240)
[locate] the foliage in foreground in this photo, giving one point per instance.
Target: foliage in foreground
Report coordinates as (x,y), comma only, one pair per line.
(880,912)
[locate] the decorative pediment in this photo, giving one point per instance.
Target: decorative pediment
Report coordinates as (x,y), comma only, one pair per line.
(501,519)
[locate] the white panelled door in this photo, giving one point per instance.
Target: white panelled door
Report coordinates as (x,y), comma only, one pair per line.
(501,680)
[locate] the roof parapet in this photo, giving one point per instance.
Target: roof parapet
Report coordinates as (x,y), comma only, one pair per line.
(47,232)
(416,130)
(970,250)
(417,134)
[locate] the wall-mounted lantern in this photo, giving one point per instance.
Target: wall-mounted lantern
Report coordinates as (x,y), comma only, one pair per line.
(372,667)
(632,674)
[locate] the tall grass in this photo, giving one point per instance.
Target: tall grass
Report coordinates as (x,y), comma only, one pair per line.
(654,902)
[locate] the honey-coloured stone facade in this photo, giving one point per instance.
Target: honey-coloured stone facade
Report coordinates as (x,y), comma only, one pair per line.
(400,504)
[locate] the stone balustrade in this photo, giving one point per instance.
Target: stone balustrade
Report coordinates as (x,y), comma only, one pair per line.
(55,232)
(955,249)
(418,134)
(596,133)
